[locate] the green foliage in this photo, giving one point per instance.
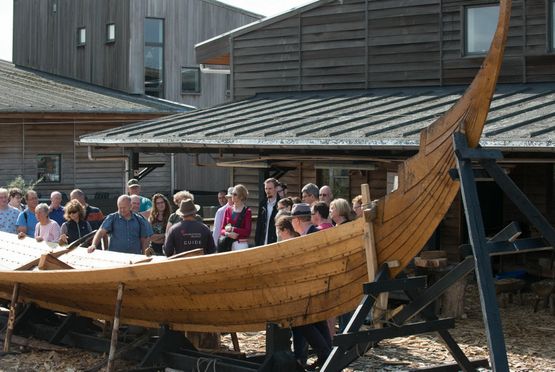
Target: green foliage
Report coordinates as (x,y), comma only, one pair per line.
(20,183)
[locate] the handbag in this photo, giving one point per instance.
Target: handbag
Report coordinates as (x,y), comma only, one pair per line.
(225,242)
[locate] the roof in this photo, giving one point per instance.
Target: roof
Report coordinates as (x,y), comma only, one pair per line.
(522,118)
(30,92)
(216,50)
(234,8)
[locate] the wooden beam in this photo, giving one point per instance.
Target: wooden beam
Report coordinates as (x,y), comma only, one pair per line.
(380,306)
(115,329)
(49,262)
(11,318)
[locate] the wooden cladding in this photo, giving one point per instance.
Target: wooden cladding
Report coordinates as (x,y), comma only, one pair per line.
(360,44)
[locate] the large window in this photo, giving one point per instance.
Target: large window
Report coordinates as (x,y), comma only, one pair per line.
(480,25)
(154,57)
(190,80)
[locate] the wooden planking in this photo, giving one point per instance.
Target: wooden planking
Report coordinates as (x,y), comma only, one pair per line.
(206,178)
(399,34)
(11,151)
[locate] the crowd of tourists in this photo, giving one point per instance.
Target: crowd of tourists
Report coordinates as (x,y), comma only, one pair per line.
(147,226)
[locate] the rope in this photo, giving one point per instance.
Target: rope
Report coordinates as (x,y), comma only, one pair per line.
(210,362)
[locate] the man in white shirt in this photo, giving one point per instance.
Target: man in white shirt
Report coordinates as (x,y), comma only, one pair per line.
(219,217)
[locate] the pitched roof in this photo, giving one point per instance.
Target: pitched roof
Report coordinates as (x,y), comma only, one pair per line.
(522,118)
(28,91)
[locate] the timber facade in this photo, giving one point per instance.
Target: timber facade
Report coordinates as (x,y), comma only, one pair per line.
(46,38)
(361,44)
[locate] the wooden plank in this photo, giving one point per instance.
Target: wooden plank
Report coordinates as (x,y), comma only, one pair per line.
(380,306)
(49,262)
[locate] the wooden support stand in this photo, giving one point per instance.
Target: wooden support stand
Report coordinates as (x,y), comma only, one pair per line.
(115,329)
(11,318)
(380,307)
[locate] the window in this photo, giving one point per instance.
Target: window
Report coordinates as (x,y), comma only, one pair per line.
(54,6)
(480,25)
(110,32)
(190,80)
(49,168)
(81,36)
(154,57)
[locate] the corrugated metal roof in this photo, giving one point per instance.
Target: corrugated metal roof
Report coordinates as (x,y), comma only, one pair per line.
(27,91)
(522,117)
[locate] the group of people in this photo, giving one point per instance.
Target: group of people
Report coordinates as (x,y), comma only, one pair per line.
(52,223)
(148,226)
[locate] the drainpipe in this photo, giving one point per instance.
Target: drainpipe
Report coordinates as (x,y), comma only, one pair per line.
(123,158)
(172,173)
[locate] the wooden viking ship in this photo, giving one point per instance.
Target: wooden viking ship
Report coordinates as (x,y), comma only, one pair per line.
(294,282)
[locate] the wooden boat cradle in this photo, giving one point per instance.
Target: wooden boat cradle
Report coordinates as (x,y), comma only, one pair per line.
(294,282)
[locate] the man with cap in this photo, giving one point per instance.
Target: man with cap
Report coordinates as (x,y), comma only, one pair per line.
(317,334)
(219,217)
(188,234)
(129,233)
(134,188)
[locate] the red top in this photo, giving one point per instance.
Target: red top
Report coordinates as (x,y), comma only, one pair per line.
(244,230)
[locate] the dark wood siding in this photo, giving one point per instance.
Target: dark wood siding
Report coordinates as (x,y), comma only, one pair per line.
(47,41)
(19,158)
(356,44)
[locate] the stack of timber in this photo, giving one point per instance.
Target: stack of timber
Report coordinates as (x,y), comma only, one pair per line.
(294,282)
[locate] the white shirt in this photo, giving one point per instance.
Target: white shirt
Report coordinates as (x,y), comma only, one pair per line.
(270,204)
(218,219)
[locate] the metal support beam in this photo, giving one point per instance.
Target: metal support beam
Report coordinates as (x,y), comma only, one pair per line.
(435,291)
(168,341)
(11,318)
(520,200)
(348,341)
(63,329)
(476,232)
(115,329)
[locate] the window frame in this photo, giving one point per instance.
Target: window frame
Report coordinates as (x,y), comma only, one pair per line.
(161,90)
(464,29)
(79,42)
(108,40)
(42,171)
(199,80)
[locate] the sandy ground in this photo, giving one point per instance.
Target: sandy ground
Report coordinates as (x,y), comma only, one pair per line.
(529,337)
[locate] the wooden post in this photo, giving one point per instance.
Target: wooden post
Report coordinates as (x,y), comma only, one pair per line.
(11,318)
(371,255)
(115,329)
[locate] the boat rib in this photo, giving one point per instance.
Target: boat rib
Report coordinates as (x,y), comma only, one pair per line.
(294,282)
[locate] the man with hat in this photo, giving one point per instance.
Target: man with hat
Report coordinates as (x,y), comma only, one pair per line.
(219,217)
(317,334)
(134,188)
(188,234)
(301,219)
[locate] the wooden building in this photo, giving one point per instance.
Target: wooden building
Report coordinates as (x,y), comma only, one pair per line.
(42,116)
(135,46)
(336,93)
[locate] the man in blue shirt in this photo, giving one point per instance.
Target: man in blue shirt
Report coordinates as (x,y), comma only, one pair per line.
(129,233)
(26,221)
(56,211)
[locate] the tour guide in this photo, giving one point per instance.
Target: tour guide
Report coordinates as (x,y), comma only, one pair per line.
(128,231)
(188,234)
